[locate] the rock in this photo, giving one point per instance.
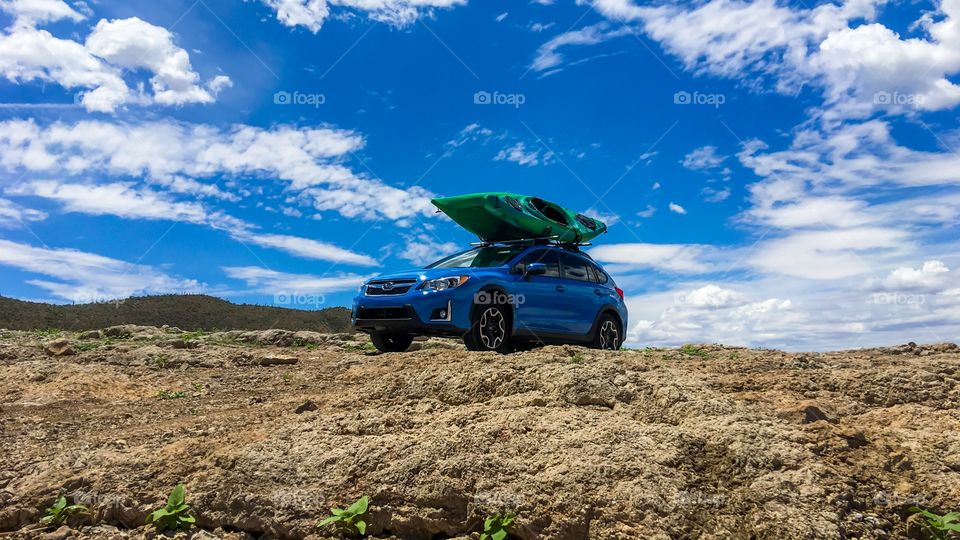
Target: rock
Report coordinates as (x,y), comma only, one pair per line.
(178,344)
(60,534)
(119,332)
(273,360)
(814,414)
(281,338)
(91,334)
(304,337)
(307,405)
(59,347)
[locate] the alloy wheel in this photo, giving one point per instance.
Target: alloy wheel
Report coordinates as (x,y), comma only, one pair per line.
(609,336)
(492,328)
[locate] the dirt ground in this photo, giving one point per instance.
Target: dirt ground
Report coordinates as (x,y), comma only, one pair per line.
(269,429)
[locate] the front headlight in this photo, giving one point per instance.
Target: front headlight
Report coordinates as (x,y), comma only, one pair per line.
(443,284)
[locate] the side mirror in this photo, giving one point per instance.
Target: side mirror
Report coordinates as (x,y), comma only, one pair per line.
(534,269)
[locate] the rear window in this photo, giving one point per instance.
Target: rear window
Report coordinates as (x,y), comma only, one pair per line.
(600,276)
(575,268)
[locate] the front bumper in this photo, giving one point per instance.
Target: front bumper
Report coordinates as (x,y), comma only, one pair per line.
(415,312)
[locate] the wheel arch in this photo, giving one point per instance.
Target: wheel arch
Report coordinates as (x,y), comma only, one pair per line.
(608,309)
(491,288)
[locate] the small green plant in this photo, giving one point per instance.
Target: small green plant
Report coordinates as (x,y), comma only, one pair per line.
(175,516)
(495,527)
(937,527)
(350,519)
(170,394)
(287,377)
(61,511)
(578,357)
(691,350)
(47,332)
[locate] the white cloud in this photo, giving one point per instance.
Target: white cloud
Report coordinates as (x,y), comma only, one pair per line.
(33,12)
(647,212)
(423,249)
(97,67)
(310,160)
(86,277)
(519,154)
(502,16)
(127,201)
(281,283)
(931,277)
(666,257)
(305,247)
(548,56)
(860,65)
(116,199)
(677,209)
(311,14)
(830,254)
(703,158)
(134,44)
(12,214)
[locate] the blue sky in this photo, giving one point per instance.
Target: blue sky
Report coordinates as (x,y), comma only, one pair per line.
(773,173)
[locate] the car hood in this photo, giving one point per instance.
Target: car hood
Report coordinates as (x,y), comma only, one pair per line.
(423,274)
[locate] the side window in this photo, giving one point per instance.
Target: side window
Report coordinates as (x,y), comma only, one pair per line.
(575,268)
(601,276)
(547,258)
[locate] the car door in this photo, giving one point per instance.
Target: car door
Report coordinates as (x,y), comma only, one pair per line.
(581,293)
(539,305)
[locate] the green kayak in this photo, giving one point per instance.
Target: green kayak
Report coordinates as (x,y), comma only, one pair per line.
(499,217)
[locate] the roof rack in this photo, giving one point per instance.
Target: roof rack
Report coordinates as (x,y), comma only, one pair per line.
(548,240)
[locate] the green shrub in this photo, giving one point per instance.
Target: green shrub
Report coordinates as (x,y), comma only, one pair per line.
(60,511)
(349,520)
(495,527)
(937,527)
(170,394)
(175,515)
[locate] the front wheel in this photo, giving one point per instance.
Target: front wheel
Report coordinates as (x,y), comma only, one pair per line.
(607,334)
(489,330)
(385,342)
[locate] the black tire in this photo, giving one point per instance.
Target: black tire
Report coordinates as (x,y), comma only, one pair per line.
(607,334)
(386,342)
(490,328)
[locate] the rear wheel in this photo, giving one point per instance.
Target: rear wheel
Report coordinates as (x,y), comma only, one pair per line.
(489,329)
(386,342)
(607,334)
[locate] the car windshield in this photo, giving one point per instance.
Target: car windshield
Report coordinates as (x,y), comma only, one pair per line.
(481,257)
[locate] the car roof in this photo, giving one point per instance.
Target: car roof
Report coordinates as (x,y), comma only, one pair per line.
(561,248)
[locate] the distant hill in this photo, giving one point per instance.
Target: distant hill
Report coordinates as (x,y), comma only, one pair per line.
(187,312)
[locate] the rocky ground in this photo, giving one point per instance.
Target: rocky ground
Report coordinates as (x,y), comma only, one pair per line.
(269,429)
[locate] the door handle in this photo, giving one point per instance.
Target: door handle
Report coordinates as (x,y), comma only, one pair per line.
(561,288)
(598,292)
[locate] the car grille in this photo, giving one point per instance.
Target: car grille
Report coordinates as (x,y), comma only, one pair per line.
(389,287)
(384,313)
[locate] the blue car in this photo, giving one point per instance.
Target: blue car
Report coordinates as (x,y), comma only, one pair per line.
(496,297)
